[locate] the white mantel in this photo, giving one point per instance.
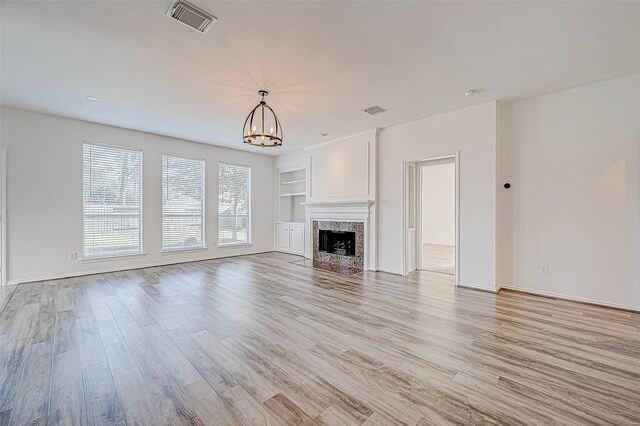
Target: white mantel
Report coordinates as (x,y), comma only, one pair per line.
(363,211)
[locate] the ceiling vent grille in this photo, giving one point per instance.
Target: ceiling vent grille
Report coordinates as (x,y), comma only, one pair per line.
(192,16)
(376,109)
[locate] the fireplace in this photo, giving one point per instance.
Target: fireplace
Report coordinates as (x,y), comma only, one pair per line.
(338,246)
(337,242)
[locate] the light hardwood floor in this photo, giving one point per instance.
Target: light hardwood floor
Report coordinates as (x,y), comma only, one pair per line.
(260,340)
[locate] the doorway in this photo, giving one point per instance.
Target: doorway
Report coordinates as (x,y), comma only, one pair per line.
(427,245)
(3,216)
(436,190)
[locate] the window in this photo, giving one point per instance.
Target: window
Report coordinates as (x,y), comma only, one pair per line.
(182,203)
(112,201)
(234,193)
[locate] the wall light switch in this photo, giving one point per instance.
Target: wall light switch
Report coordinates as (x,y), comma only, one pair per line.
(73,255)
(544,269)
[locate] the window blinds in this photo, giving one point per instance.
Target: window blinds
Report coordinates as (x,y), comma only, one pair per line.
(234,193)
(182,203)
(112,201)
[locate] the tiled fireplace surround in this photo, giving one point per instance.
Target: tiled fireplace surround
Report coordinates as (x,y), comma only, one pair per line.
(353,216)
(336,262)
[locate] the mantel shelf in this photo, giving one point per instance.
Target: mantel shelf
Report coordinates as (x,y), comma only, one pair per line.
(293,194)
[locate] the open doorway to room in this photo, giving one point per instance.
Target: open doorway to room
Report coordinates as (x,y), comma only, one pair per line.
(431,216)
(436,190)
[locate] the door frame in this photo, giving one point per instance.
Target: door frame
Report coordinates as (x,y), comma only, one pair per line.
(3,216)
(412,198)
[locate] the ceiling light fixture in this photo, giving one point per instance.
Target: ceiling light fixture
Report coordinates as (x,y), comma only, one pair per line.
(470,92)
(264,130)
(92,98)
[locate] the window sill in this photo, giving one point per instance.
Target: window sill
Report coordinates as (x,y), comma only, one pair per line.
(234,245)
(182,250)
(110,258)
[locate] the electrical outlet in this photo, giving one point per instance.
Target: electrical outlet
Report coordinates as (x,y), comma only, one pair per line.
(544,269)
(73,255)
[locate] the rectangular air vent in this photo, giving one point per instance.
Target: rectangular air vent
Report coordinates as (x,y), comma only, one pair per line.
(376,109)
(192,16)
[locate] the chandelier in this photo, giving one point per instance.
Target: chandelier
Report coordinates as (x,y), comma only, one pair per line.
(262,127)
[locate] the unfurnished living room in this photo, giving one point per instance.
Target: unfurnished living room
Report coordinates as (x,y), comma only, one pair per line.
(319,212)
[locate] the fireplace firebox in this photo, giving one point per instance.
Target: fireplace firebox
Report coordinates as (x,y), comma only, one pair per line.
(342,243)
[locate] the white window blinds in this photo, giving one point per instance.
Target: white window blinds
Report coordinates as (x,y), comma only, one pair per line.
(182,203)
(234,193)
(112,201)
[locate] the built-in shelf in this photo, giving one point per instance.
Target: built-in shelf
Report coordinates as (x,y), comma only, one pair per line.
(292,193)
(293,181)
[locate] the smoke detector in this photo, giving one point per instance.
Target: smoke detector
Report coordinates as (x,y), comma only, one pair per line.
(192,16)
(373,110)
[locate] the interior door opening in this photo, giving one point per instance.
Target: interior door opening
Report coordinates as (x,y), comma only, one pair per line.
(437,216)
(431,215)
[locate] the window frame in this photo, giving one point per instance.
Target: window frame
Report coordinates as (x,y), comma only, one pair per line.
(108,257)
(249,205)
(203,246)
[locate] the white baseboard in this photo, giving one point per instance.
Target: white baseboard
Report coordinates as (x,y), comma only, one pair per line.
(123,268)
(473,287)
(571,298)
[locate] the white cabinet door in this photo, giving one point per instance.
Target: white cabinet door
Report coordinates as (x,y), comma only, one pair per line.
(297,239)
(282,237)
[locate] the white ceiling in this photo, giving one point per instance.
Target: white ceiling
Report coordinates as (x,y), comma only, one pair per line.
(323,62)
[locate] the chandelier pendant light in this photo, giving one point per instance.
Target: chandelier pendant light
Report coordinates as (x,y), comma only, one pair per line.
(262,127)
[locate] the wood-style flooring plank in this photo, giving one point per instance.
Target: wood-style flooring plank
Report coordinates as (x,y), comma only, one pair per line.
(67,399)
(32,400)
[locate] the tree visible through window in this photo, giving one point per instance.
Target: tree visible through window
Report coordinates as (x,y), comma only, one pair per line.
(182,203)
(234,193)
(112,201)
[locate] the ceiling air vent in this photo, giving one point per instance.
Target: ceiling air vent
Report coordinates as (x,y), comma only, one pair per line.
(376,109)
(192,16)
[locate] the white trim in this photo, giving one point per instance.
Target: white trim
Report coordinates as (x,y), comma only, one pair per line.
(182,250)
(474,287)
(569,298)
(125,268)
(114,257)
(417,197)
(456,266)
(3,216)
(232,245)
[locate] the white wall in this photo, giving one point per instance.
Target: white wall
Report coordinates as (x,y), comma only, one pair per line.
(472,131)
(573,159)
(44,194)
(439,204)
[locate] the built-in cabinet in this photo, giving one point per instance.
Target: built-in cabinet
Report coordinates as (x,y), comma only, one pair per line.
(290,237)
(292,211)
